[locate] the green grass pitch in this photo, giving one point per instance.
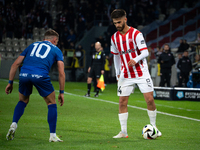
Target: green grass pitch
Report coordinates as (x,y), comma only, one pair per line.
(90,123)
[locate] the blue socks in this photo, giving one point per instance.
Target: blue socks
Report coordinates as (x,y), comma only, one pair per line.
(52,114)
(19,110)
(52,117)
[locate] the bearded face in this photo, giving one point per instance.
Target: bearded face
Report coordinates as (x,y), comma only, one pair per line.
(120,23)
(121,28)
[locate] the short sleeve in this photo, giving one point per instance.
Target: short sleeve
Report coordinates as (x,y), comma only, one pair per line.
(141,44)
(59,55)
(25,51)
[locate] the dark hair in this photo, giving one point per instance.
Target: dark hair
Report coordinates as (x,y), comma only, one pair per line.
(50,33)
(166,45)
(118,13)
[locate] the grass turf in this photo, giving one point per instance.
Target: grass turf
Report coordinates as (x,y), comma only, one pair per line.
(90,123)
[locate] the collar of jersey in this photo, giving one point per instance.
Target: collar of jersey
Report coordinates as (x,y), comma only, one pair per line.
(130,28)
(47,41)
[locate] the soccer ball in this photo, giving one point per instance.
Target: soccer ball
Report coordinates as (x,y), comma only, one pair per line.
(149,132)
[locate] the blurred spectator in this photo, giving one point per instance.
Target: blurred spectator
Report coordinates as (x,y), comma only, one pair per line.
(197,61)
(138,19)
(71,19)
(9,28)
(130,14)
(28,5)
(181,47)
(63,38)
(18,28)
(30,14)
(177,69)
(198,38)
(63,19)
(106,70)
(111,7)
(185,66)
(71,37)
(79,54)
(41,4)
(92,49)
(2,27)
(158,51)
(19,6)
(110,31)
(47,23)
(101,40)
(71,45)
(38,19)
(80,27)
(74,67)
(29,28)
(79,48)
(186,45)
(152,57)
(166,60)
(106,49)
(89,16)
(2,10)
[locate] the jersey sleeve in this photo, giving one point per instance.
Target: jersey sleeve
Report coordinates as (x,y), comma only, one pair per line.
(141,44)
(113,48)
(59,56)
(25,51)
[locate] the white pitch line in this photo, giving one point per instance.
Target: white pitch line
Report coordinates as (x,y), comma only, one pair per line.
(169,106)
(168,114)
(102,100)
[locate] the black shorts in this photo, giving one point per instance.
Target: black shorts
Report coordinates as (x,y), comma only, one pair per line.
(95,72)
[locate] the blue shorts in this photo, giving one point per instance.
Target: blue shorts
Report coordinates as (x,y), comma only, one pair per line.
(42,84)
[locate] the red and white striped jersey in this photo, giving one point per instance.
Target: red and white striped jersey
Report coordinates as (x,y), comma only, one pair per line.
(129,46)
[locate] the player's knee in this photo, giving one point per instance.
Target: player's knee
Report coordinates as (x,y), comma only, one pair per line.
(25,101)
(123,102)
(89,80)
(150,100)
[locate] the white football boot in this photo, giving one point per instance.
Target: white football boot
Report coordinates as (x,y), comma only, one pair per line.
(121,135)
(11,131)
(55,139)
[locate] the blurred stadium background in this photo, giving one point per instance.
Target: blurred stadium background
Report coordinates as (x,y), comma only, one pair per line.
(81,23)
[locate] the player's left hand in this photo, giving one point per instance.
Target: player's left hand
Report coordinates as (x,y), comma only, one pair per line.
(9,88)
(131,63)
(61,99)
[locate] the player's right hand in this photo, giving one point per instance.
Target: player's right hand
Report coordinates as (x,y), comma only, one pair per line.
(9,89)
(118,77)
(89,69)
(61,99)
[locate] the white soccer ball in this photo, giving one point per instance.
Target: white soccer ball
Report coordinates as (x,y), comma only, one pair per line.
(149,132)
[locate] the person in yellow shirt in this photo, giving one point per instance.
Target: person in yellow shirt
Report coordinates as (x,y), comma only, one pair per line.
(74,65)
(106,70)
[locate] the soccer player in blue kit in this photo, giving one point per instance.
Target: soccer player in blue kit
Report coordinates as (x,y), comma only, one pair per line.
(37,60)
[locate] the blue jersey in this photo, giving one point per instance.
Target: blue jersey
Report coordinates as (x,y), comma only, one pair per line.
(39,57)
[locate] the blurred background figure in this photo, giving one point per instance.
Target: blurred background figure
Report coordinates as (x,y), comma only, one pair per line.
(106,70)
(75,66)
(185,66)
(177,69)
(166,61)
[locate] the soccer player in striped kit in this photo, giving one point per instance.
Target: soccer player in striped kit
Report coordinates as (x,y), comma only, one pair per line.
(130,52)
